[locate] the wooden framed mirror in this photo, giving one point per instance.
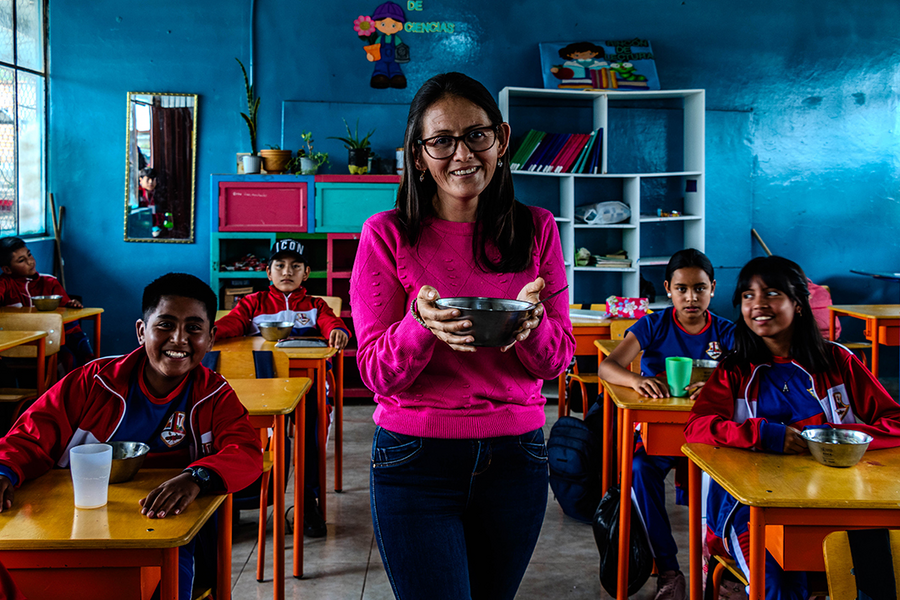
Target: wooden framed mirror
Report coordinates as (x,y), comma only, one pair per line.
(160,167)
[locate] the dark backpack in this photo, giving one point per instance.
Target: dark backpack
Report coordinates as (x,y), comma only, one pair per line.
(606,534)
(574,452)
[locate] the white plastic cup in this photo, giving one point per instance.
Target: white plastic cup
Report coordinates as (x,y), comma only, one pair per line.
(90,465)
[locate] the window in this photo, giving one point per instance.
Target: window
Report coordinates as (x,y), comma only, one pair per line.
(22,117)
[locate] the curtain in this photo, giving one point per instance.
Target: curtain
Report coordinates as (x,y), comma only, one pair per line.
(172,158)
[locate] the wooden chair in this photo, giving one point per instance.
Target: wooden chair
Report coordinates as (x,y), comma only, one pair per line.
(572,377)
(839,565)
(51,322)
(242,365)
(336,304)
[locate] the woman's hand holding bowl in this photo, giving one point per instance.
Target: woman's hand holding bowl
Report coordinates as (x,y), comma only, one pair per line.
(530,293)
(441,322)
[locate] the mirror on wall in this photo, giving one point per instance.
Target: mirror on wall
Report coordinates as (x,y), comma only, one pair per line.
(160,167)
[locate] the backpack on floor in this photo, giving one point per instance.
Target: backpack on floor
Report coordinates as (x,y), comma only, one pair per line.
(606,534)
(574,452)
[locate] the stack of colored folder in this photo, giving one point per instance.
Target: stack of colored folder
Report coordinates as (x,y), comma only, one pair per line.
(542,152)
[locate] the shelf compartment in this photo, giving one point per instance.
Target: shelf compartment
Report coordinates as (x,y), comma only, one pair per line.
(610,226)
(606,269)
(655,219)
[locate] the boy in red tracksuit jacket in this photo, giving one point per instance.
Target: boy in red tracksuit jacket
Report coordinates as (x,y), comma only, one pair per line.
(159,394)
(286,300)
(20,282)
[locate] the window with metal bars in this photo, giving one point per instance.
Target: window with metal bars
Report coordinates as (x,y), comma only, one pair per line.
(23,91)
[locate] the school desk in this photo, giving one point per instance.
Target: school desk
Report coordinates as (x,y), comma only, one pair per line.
(604,349)
(662,431)
(586,330)
(268,401)
(795,502)
(882,324)
(49,545)
(12,338)
(68,315)
(304,362)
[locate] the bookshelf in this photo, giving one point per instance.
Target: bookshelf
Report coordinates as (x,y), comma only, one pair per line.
(652,159)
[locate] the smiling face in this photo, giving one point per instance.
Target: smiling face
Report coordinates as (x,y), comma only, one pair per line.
(463,176)
(287,273)
(691,290)
(21,264)
(388,26)
(176,336)
(769,313)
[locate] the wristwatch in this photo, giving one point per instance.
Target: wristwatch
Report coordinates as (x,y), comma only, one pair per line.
(200,476)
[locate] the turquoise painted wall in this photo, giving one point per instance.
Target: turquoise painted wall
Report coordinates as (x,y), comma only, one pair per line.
(802,123)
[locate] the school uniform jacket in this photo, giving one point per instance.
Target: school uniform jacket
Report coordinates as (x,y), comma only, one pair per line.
(310,315)
(18,291)
(726,413)
(89,404)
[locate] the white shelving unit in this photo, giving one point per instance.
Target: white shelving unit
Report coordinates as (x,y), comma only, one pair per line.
(690,226)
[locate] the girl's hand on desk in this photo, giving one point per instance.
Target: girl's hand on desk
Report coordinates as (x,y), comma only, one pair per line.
(530,293)
(793,442)
(171,497)
(338,339)
(73,303)
(441,323)
(694,389)
(651,387)
(6,493)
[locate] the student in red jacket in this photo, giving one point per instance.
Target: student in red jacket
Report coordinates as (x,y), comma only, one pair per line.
(781,378)
(286,300)
(159,394)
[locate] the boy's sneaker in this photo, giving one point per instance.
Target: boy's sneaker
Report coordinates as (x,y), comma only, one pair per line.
(670,586)
(313,522)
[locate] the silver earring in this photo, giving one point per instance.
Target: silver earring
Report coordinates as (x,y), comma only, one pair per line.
(499,162)
(669,295)
(422,177)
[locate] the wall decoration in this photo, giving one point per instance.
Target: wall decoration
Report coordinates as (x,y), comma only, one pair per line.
(607,65)
(383,46)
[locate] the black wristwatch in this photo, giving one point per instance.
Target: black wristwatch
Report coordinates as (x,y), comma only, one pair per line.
(200,476)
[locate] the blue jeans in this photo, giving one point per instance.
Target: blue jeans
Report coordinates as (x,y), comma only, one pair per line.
(457,519)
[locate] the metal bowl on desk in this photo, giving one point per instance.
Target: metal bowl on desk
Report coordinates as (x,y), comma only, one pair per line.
(46,302)
(127,458)
(275,330)
(837,447)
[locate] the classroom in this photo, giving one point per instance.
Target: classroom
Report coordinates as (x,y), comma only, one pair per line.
(779,118)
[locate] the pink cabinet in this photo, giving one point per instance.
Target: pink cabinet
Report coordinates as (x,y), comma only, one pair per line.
(263,206)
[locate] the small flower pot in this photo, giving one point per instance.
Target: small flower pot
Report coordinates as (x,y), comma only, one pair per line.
(308,166)
(251,164)
(275,161)
(358,161)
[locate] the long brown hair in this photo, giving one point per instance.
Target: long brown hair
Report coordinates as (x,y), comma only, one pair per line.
(499,217)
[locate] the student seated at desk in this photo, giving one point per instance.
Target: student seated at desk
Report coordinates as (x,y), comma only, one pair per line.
(286,300)
(781,378)
(687,329)
(20,282)
(159,394)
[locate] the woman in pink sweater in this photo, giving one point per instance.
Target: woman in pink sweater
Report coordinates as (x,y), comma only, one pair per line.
(459,467)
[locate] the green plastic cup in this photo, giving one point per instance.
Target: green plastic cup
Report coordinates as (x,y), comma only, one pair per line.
(678,375)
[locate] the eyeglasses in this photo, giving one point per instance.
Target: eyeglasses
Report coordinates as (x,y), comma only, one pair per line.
(444,146)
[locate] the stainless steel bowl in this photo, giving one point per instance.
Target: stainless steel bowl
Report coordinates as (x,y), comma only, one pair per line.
(46,302)
(275,330)
(494,320)
(127,458)
(837,447)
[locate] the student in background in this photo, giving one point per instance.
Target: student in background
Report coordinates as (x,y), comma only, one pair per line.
(780,378)
(687,329)
(287,300)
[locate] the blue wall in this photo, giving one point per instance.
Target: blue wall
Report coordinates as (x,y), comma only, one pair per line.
(802,139)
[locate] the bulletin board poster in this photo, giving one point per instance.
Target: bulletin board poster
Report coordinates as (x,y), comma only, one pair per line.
(601,65)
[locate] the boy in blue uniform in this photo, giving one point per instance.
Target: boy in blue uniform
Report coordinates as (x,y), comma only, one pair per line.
(159,394)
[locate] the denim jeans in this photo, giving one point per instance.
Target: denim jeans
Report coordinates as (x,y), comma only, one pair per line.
(457,519)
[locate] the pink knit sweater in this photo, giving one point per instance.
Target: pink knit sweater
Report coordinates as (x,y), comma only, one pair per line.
(424,388)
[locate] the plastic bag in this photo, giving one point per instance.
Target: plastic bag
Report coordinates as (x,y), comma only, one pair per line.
(603,213)
(606,534)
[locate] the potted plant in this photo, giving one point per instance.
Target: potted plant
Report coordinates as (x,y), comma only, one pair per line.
(251,163)
(275,159)
(308,160)
(359,149)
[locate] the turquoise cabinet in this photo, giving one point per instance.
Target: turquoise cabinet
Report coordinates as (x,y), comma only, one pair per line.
(343,207)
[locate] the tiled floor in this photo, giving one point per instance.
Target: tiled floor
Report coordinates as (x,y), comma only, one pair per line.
(346,563)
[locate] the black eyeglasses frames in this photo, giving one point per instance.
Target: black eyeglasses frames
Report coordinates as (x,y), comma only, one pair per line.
(444,146)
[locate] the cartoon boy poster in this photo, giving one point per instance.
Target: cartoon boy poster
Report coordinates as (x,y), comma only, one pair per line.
(383,44)
(608,64)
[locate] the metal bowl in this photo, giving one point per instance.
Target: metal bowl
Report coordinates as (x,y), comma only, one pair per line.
(127,458)
(494,320)
(46,302)
(275,330)
(837,447)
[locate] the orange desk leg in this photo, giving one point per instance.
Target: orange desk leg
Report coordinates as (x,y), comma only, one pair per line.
(625,506)
(323,433)
(278,501)
(606,469)
(97,335)
(831,317)
(299,483)
(561,410)
(757,553)
(169,575)
(339,422)
(695,482)
(223,572)
(874,330)
(41,366)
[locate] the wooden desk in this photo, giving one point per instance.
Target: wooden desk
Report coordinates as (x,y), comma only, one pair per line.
(268,401)
(882,324)
(68,315)
(100,553)
(586,330)
(304,362)
(12,338)
(662,432)
(795,502)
